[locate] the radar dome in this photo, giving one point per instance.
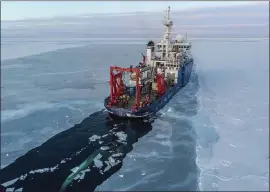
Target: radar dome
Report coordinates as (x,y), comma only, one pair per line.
(180,38)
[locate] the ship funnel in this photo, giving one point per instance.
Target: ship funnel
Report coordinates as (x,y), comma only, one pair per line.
(150,44)
(150,51)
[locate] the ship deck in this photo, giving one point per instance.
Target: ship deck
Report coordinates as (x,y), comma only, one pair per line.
(131,102)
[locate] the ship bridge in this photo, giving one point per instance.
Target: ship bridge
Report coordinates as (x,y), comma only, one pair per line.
(168,54)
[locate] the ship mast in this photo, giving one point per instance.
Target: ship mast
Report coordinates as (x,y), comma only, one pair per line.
(167,36)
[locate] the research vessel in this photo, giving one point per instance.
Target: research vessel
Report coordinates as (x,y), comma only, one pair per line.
(142,90)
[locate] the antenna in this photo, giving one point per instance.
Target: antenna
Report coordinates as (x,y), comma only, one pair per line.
(167,35)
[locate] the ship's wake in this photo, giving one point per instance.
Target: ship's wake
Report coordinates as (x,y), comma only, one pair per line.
(78,159)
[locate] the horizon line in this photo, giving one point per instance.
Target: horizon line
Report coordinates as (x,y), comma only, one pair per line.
(247,3)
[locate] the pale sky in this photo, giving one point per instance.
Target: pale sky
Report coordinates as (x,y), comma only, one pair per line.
(17,10)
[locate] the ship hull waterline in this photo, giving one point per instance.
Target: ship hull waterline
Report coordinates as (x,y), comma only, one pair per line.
(183,78)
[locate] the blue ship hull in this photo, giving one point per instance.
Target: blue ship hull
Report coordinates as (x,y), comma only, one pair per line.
(183,78)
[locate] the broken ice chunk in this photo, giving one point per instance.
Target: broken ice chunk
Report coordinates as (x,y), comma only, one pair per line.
(81,175)
(22,177)
(117,154)
(94,138)
(113,162)
(98,163)
(75,169)
(122,137)
(104,148)
(108,166)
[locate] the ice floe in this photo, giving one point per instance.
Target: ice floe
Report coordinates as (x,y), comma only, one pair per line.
(98,163)
(94,138)
(81,174)
(104,148)
(122,137)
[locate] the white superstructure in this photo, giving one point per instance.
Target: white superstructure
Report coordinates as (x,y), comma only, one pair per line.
(168,55)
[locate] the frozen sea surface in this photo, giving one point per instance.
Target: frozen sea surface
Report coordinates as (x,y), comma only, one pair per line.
(213,135)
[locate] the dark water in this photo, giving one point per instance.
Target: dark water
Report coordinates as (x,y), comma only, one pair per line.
(74,143)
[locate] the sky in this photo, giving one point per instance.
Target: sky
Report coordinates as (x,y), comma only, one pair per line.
(18,10)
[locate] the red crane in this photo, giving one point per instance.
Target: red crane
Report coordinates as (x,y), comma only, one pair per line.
(117,86)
